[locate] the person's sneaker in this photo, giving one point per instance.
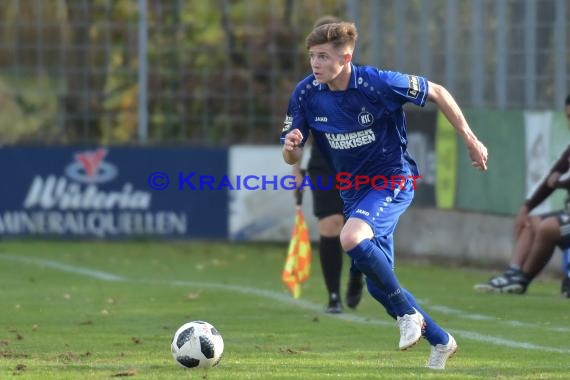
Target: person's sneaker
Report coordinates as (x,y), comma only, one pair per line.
(565,287)
(511,281)
(440,353)
(411,328)
(334,306)
(354,289)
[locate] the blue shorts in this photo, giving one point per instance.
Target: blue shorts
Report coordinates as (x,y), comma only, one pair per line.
(381,210)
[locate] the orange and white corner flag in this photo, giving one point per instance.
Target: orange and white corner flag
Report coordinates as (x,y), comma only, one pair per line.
(298,263)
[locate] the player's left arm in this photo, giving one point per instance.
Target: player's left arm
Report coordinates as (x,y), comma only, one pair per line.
(449,107)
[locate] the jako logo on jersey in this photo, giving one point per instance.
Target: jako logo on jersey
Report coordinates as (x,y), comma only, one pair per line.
(363,212)
(350,140)
(414,86)
(365,118)
(321,119)
(89,167)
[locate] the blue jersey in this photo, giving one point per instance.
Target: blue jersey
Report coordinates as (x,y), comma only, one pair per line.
(362,130)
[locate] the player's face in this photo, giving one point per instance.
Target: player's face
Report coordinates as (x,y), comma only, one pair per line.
(567,110)
(326,62)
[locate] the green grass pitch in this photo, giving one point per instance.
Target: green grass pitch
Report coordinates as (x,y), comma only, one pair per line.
(108,310)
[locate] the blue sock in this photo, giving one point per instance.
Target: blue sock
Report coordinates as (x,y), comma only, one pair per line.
(377,293)
(371,261)
(433,333)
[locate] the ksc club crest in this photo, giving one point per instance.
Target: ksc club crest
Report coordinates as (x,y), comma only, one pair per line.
(365,118)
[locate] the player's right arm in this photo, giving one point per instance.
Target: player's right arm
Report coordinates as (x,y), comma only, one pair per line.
(295,130)
(292,148)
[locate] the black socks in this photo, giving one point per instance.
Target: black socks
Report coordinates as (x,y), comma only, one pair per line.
(330,253)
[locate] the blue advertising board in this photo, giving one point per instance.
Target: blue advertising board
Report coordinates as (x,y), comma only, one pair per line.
(111,193)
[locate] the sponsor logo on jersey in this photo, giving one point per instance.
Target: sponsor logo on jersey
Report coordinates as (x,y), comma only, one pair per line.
(414,86)
(350,140)
(287,123)
(363,212)
(321,119)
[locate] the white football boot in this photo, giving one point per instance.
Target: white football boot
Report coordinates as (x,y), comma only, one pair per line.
(440,353)
(411,326)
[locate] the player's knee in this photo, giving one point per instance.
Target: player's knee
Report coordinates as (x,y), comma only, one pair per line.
(354,232)
(549,229)
(349,240)
(331,225)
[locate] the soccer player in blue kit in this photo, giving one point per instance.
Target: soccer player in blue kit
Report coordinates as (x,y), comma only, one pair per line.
(355,116)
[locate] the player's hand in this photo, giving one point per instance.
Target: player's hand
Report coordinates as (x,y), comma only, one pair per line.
(478,154)
(293,140)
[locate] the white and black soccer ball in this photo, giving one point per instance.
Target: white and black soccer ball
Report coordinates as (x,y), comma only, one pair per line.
(197,344)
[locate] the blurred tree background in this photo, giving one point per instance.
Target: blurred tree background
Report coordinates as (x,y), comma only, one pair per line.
(220,72)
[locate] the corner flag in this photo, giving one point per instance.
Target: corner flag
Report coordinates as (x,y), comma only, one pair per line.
(298,263)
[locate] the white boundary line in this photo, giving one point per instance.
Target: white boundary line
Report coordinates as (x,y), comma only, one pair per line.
(64,267)
(283,298)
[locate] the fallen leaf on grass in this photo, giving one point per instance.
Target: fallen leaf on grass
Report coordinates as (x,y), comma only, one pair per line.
(287,351)
(129,372)
(192,296)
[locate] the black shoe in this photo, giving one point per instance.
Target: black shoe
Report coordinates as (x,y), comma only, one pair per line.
(334,307)
(511,281)
(354,290)
(565,287)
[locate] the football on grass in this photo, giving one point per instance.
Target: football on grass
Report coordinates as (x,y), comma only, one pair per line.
(197,344)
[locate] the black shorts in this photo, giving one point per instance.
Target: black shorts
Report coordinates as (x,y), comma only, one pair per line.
(325,202)
(563,217)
